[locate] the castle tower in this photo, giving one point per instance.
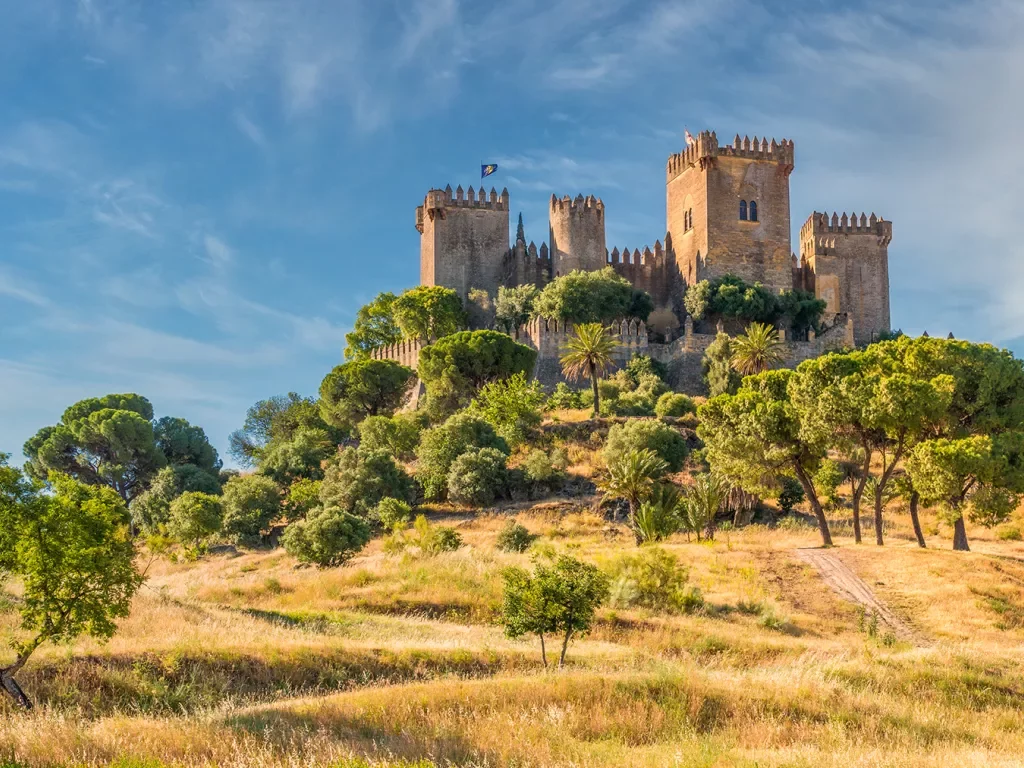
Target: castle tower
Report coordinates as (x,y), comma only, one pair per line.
(577,234)
(848,259)
(463,239)
(728,210)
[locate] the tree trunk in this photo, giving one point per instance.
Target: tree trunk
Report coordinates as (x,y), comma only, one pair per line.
(812,496)
(856,515)
(565,645)
(914,498)
(960,536)
(878,514)
(11,687)
(597,393)
(543,652)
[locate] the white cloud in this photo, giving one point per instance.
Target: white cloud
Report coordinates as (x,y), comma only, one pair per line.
(250,130)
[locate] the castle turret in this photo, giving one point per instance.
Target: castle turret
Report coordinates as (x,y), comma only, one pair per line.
(847,257)
(728,210)
(577,234)
(463,239)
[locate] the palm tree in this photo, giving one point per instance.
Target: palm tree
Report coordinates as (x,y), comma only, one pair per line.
(633,478)
(589,354)
(702,502)
(758,350)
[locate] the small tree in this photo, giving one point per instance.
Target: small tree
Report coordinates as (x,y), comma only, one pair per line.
(558,598)
(361,388)
(702,501)
(429,312)
(513,307)
(589,353)
(329,536)
(477,477)
(659,516)
(374,328)
(194,518)
(633,478)
(758,350)
(73,551)
(250,503)
(512,406)
(640,434)
(440,446)
(719,375)
(357,480)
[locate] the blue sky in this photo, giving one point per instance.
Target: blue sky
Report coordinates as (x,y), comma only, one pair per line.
(195,198)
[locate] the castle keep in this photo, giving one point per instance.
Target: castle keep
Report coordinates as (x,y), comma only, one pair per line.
(727,212)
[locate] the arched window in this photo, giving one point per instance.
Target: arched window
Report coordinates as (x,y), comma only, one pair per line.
(743,210)
(753,210)
(691,218)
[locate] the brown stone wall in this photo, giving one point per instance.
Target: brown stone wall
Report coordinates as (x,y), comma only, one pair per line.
(687,192)
(577,234)
(464,239)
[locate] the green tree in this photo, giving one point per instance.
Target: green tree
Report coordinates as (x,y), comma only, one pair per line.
(276,421)
(477,477)
(250,504)
(429,312)
(599,296)
(455,367)
(374,328)
(719,375)
(589,353)
(634,478)
(100,441)
(801,310)
(361,388)
(702,501)
(558,598)
(513,307)
(397,435)
(152,508)
(512,406)
(757,350)
(303,455)
(194,518)
(328,537)
(185,444)
(639,434)
(757,434)
(356,481)
(660,516)
(440,446)
(73,551)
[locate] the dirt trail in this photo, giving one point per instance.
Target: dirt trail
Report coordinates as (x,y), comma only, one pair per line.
(850,586)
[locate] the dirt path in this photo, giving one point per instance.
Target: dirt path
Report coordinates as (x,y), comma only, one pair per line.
(850,586)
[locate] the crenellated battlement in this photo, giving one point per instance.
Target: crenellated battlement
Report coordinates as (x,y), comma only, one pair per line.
(406,353)
(439,200)
(706,148)
(580,205)
(820,228)
(648,257)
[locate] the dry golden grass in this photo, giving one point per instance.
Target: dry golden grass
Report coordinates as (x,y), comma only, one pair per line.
(248,660)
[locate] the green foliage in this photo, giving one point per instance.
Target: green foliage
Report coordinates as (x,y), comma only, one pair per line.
(564,397)
(589,353)
(429,312)
(361,388)
(634,477)
(356,481)
(392,513)
(801,310)
(100,441)
(152,508)
(827,480)
(561,597)
(641,366)
(719,375)
(757,350)
(429,539)
(791,493)
(659,516)
(302,456)
(544,469)
(653,579)
(592,297)
(477,477)
(514,537)
(73,552)
(730,296)
(250,504)
(194,518)
(640,434)
(328,537)
(374,328)
(277,421)
(184,444)
(674,405)
(302,496)
(702,502)
(513,307)
(456,367)
(440,446)
(397,435)
(512,406)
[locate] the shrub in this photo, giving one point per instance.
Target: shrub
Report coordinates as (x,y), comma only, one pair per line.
(658,517)
(645,365)
(653,579)
(719,375)
(674,405)
(194,517)
(1009,533)
(152,508)
(542,469)
(791,493)
(357,480)
(628,404)
(477,477)
(441,446)
(392,513)
(434,539)
(250,503)
(303,495)
(564,397)
(702,501)
(592,297)
(396,435)
(827,480)
(512,406)
(514,537)
(328,536)
(649,434)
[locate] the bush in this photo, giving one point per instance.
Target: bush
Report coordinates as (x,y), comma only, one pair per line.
(645,365)
(719,375)
(827,480)
(434,539)
(649,434)
(441,446)
(514,537)
(392,513)
(791,493)
(658,517)
(357,480)
(328,536)
(250,503)
(592,297)
(194,517)
(303,495)
(512,406)
(152,508)
(1009,533)
(542,469)
(653,579)
(564,398)
(396,435)
(477,477)
(674,405)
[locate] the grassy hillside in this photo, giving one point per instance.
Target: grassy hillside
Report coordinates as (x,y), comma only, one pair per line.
(394,660)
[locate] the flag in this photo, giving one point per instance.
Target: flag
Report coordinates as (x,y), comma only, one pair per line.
(689,138)
(487,170)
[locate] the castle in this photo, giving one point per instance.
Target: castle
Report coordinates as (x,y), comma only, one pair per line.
(727,212)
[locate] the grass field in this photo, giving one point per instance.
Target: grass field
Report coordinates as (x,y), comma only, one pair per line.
(239,660)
